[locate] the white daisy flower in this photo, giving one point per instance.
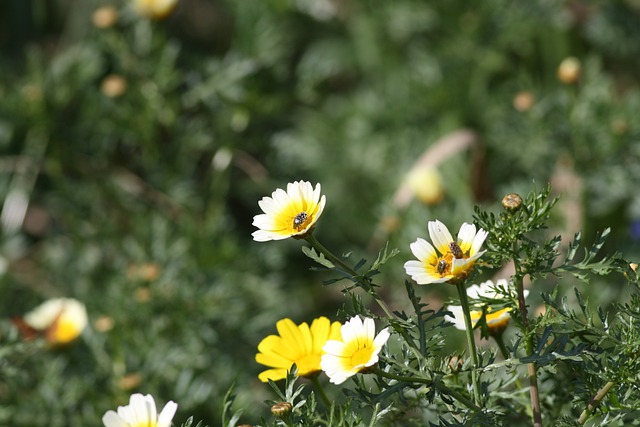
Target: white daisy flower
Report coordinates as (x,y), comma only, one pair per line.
(453,260)
(61,320)
(357,349)
(291,213)
(140,412)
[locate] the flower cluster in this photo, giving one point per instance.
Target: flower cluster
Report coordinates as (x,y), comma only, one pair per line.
(341,351)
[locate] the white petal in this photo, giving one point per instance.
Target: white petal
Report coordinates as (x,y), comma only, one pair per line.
(465,236)
(440,236)
(474,291)
(422,249)
(481,235)
(458,319)
(381,339)
(111,419)
(165,417)
(264,222)
(333,347)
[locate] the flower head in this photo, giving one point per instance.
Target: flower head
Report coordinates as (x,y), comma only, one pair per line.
(453,260)
(61,320)
(299,344)
(356,350)
(496,320)
(291,213)
(154,9)
(140,412)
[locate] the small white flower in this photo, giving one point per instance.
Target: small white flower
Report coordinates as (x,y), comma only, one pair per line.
(357,349)
(141,412)
(496,320)
(453,260)
(61,319)
(289,213)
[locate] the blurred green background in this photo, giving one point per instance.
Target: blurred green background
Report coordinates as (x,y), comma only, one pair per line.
(143,146)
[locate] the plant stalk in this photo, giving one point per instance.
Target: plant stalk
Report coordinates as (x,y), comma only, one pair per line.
(471,344)
(531,367)
(595,402)
(320,390)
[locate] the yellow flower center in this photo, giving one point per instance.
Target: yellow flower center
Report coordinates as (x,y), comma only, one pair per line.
(361,356)
(65,330)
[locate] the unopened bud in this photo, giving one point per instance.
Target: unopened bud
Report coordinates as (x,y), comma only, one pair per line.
(113,86)
(281,409)
(512,202)
(523,101)
(569,70)
(105,17)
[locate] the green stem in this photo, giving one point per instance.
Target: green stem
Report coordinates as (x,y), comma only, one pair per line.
(529,344)
(340,265)
(459,397)
(503,348)
(595,402)
(475,373)
(320,390)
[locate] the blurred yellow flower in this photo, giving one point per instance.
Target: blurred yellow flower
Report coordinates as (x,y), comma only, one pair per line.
(569,70)
(496,321)
(154,9)
(425,184)
(291,213)
(141,412)
(300,344)
(356,350)
(61,320)
(455,259)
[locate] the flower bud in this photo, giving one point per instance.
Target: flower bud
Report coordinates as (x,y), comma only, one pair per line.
(569,70)
(105,17)
(523,101)
(512,202)
(113,86)
(426,185)
(281,409)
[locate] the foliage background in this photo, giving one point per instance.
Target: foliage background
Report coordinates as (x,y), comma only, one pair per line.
(140,204)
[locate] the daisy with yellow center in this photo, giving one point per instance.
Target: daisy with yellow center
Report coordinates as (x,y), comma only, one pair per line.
(291,213)
(453,260)
(299,344)
(61,320)
(140,412)
(496,320)
(356,350)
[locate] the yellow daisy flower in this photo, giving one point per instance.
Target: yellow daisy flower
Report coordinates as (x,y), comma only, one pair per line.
(141,412)
(300,344)
(356,350)
(496,321)
(291,213)
(453,260)
(61,320)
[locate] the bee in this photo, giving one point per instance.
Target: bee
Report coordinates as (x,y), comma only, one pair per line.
(300,219)
(455,250)
(442,267)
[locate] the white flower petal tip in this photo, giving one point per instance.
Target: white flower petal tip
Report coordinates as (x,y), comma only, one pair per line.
(357,349)
(290,213)
(448,260)
(141,411)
